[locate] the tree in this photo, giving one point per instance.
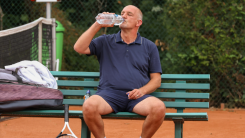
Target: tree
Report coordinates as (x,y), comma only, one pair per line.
(208,37)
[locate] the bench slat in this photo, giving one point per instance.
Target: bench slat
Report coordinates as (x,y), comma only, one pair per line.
(163,76)
(186,76)
(119,115)
(181,86)
(77,83)
(169,104)
(156,94)
(173,104)
(76,92)
(73,101)
(168,116)
(181,95)
(75,74)
(178,86)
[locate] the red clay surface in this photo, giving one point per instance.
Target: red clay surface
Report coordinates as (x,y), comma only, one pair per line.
(221,124)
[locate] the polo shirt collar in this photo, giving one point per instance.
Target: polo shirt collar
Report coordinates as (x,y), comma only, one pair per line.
(137,41)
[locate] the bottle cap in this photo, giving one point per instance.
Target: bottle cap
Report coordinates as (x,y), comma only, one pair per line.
(88,91)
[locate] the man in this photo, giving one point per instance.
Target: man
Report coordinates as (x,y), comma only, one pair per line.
(130,70)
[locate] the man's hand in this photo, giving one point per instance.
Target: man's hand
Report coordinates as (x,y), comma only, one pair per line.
(135,94)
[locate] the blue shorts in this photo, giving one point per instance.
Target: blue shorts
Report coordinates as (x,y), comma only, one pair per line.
(118,100)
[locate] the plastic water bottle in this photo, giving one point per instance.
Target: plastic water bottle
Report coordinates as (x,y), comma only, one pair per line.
(87,95)
(109,19)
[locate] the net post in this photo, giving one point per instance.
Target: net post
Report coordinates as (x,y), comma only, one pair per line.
(48,10)
(40,41)
(53,60)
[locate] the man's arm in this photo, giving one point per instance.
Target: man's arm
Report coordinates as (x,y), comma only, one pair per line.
(151,86)
(82,44)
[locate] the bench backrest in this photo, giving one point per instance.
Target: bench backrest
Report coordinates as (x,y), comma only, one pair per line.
(176,84)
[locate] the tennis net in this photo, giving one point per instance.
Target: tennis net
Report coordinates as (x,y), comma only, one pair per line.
(32,41)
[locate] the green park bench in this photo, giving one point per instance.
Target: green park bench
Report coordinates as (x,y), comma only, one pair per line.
(180,92)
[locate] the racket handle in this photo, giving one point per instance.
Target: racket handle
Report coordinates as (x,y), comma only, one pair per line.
(66,113)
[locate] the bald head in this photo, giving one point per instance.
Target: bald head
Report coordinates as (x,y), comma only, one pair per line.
(138,11)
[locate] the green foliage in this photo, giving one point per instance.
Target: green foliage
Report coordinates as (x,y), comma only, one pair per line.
(208,37)
(19,12)
(193,36)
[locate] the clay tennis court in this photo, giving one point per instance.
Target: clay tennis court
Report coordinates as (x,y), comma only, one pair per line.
(228,123)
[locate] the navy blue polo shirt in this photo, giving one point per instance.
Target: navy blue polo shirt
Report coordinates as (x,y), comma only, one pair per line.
(125,66)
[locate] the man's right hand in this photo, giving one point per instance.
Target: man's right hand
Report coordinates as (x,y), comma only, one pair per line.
(105,25)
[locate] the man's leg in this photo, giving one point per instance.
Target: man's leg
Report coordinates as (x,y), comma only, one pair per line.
(155,110)
(93,108)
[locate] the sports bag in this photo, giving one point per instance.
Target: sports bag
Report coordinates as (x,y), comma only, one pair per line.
(15,95)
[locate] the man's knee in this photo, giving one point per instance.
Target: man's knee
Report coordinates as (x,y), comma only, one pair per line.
(96,105)
(89,107)
(158,109)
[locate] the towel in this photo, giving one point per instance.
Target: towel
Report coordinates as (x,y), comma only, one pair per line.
(33,72)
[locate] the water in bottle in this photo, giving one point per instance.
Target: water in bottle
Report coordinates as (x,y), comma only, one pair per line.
(109,19)
(87,95)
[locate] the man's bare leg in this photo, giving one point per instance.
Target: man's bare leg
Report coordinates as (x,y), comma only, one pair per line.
(93,108)
(155,110)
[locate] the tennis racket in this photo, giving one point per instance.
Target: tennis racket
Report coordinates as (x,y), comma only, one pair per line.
(61,135)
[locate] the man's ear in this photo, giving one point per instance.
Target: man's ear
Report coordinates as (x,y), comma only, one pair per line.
(139,23)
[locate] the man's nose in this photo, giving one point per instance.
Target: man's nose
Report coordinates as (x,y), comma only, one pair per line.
(124,16)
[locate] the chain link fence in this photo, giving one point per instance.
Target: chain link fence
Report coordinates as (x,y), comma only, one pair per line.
(193,37)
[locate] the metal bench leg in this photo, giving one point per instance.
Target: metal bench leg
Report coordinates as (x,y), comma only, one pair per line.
(85,130)
(178,127)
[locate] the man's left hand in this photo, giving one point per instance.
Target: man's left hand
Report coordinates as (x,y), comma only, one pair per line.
(134,94)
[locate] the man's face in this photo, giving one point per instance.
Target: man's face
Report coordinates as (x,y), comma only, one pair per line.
(131,16)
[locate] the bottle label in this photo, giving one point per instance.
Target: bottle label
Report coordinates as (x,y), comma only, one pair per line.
(109,19)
